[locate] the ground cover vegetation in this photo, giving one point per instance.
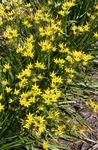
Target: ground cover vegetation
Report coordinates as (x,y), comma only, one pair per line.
(46,48)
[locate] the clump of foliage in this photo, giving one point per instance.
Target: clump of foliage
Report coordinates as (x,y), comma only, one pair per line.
(44,46)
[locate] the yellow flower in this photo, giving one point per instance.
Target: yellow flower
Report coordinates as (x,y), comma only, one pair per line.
(53,114)
(25,73)
(38,120)
(69,70)
(86,58)
(28,5)
(19,49)
(71,76)
(2,10)
(82,131)
(68,4)
(77,55)
(96,35)
(56,80)
(61,12)
(26,23)
(40,108)
(39,65)
(8,89)
(46,45)
(42,31)
(16,92)
(93,17)
(74,129)
(28,53)
(29,121)
(95,109)
(51,95)
(65,50)
(61,45)
(30,117)
(34,79)
(92,104)
(24,102)
(69,80)
(41,129)
(1,107)
(27,49)
(60,130)
(29,66)
(40,77)
(86,27)
(36,90)
(74,29)
(4,82)
(8,7)
(57,4)
(52,75)
(10,33)
(45,145)
(23,82)
(39,124)
(50,2)
(80,28)
(6,67)
(11,100)
(69,58)
(59,61)
(96,6)
(32,99)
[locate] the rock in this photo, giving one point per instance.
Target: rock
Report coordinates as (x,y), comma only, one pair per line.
(95,147)
(77,145)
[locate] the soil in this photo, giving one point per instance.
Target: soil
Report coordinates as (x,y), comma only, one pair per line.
(91,117)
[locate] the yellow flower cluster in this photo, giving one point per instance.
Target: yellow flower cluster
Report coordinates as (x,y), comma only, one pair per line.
(37,122)
(51,28)
(65,7)
(39,65)
(63,48)
(80,29)
(46,46)
(27,49)
(79,56)
(93,105)
(40,62)
(55,80)
(26,99)
(70,74)
(51,95)
(10,33)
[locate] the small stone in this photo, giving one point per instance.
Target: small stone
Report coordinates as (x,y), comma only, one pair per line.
(95,147)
